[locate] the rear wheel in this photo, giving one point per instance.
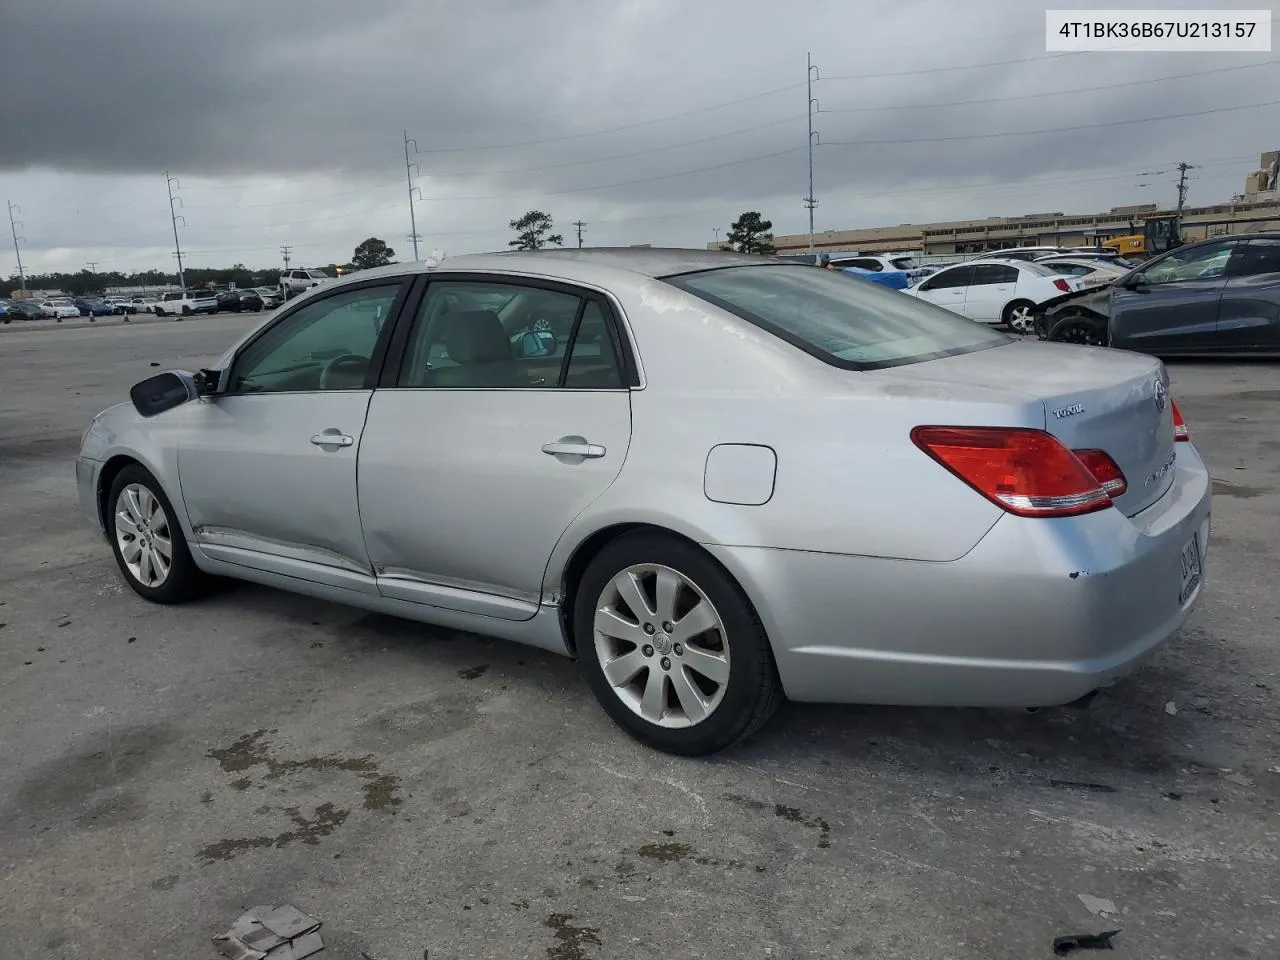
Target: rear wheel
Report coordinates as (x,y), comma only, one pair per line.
(671,646)
(147,540)
(1081,328)
(1018,317)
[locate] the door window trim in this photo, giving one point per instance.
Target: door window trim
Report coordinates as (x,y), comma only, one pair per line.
(377,361)
(615,328)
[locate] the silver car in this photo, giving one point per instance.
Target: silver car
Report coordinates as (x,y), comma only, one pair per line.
(716,480)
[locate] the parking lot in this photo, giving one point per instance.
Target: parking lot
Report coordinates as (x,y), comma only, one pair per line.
(164,769)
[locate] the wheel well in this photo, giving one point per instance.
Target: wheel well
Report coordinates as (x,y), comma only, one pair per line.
(581,559)
(106,477)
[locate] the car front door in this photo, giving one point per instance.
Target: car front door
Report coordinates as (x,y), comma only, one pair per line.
(1249,314)
(947,287)
(268,463)
(497,429)
(991,287)
(1172,304)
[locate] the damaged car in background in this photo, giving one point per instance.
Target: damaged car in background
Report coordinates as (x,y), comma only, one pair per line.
(1218,296)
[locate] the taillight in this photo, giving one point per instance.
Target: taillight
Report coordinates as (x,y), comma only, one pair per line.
(1105,470)
(1180,431)
(1026,472)
(1062,285)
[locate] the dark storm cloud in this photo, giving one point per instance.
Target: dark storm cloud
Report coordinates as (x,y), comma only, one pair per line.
(284,118)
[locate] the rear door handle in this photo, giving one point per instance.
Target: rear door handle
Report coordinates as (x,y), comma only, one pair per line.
(334,439)
(573,447)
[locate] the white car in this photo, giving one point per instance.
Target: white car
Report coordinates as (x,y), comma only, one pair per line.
(995,291)
(59,308)
(144,304)
(293,282)
(185,304)
(1091,272)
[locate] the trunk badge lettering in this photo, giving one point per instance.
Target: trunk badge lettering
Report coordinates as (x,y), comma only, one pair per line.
(1164,468)
(1162,395)
(1070,411)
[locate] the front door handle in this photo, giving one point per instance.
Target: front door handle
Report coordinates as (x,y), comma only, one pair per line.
(332,439)
(573,447)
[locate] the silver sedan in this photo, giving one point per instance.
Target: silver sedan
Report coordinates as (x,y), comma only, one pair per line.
(715,480)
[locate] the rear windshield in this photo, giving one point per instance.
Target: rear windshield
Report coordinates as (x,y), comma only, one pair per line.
(1039,269)
(844,321)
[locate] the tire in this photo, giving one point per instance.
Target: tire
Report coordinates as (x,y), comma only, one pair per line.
(1017,316)
(186,311)
(135,495)
(1080,328)
(734,647)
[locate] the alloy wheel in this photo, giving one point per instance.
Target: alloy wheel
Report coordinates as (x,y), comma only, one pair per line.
(1080,331)
(662,645)
(1020,319)
(143,535)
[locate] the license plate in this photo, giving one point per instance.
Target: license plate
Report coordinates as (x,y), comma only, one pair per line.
(1190,569)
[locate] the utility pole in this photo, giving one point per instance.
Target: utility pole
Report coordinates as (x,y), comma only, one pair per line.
(13,229)
(285,250)
(717,233)
(810,201)
(92,265)
(1182,187)
(579,224)
(408,173)
(174,217)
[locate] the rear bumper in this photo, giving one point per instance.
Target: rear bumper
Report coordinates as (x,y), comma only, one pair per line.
(1040,612)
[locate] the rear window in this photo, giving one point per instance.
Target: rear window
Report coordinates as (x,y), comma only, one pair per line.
(903,263)
(843,321)
(1039,269)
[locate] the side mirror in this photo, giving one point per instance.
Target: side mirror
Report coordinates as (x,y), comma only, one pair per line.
(537,343)
(163,392)
(1134,281)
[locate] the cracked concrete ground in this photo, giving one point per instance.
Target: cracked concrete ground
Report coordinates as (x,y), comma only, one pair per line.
(162,770)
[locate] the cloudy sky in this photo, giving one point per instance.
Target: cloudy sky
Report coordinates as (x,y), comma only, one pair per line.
(655,121)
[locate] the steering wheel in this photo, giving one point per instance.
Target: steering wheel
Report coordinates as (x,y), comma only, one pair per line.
(337,363)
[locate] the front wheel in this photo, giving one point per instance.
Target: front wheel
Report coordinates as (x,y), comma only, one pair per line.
(147,540)
(1080,328)
(671,646)
(1018,317)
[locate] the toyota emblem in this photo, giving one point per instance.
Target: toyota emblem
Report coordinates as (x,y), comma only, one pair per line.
(1162,395)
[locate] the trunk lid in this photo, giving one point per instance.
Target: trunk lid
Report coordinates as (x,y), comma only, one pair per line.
(1095,398)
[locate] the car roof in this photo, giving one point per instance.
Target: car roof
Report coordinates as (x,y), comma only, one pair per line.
(653,262)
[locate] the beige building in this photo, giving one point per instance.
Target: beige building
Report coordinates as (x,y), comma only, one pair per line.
(1258,208)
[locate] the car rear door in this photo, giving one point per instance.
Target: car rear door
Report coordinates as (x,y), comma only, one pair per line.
(489,437)
(992,286)
(947,287)
(1171,305)
(1249,311)
(267,465)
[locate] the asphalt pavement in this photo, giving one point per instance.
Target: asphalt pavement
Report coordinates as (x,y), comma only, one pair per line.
(164,769)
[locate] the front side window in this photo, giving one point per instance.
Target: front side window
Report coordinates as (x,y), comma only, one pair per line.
(851,325)
(326,345)
(947,279)
(1201,263)
(494,335)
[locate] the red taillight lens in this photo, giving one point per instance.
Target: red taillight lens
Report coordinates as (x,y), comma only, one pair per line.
(1026,472)
(1062,285)
(1180,431)
(1105,470)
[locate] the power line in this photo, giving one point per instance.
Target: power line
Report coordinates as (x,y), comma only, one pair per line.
(1025,133)
(17,252)
(1052,93)
(174,217)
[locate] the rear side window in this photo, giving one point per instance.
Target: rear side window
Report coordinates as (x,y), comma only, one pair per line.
(985,273)
(858,326)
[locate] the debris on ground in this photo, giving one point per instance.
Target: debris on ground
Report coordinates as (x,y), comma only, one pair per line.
(1097,905)
(1083,941)
(271,933)
(1171,708)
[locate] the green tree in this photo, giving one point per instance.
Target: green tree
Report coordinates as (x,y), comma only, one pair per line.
(750,233)
(372,253)
(533,231)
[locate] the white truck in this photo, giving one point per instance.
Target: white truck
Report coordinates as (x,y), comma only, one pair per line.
(294,282)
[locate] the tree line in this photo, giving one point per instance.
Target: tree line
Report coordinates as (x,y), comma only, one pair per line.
(750,233)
